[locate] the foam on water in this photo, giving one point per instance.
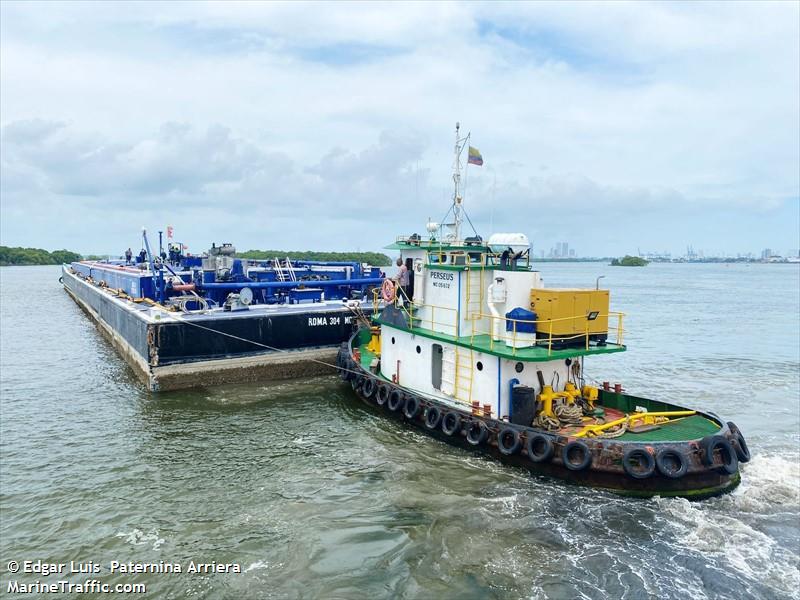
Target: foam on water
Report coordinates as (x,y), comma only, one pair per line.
(137,537)
(734,531)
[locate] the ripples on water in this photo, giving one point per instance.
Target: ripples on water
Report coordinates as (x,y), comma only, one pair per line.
(318,498)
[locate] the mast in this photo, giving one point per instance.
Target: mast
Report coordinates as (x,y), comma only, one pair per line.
(457,217)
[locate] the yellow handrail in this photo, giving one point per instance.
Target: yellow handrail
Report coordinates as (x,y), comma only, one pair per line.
(546,325)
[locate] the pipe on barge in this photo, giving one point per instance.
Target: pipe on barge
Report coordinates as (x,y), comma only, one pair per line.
(265,285)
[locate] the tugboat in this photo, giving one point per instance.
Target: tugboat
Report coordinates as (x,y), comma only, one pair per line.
(479,354)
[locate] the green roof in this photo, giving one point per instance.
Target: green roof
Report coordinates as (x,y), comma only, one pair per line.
(483,343)
(433,245)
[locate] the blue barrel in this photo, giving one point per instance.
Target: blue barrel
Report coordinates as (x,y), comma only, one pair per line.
(520,314)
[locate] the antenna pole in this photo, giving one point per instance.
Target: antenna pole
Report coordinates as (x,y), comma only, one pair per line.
(457,217)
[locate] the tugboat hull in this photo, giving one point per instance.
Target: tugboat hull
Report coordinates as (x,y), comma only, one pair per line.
(695,469)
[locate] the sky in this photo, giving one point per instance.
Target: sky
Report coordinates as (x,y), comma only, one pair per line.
(616,127)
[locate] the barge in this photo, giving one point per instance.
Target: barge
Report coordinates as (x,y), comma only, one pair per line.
(479,354)
(189,321)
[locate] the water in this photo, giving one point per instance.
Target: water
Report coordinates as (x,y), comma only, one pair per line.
(318,498)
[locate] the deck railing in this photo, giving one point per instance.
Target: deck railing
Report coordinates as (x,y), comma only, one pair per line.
(544,327)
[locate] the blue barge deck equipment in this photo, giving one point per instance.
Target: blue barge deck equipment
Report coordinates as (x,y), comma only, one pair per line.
(189,321)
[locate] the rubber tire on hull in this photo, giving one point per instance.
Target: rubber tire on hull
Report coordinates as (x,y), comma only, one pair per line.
(451,423)
(540,447)
(382,395)
(368,387)
(356,381)
(730,463)
(638,457)
(477,432)
(585,455)
(667,459)
(740,446)
(395,401)
(509,441)
(411,407)
(433,416)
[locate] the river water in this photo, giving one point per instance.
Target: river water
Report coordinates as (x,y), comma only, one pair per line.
(317,497)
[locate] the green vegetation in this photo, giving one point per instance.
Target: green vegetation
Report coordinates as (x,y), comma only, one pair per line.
(629,261)
(376,259)
(35,256)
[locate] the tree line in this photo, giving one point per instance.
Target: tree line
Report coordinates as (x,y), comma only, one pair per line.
(376,259)
(35,256)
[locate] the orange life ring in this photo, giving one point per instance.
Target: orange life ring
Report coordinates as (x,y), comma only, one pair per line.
(387,290)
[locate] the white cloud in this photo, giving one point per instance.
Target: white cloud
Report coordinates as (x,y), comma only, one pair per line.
(327,109)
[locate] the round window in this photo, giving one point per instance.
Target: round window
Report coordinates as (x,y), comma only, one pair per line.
(393,340)
(479,366)
(419,350)
(518,367)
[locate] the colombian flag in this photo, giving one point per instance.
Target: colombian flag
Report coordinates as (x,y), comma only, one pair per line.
(475,157)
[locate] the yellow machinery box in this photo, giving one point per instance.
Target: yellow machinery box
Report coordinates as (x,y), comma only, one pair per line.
(570,311)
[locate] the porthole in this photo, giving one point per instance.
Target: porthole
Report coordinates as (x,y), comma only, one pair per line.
(419,350)
(393,340)
(518,367)
(479,366)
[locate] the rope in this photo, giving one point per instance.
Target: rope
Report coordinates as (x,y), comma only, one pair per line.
(615,433)
(542,421)
(268,347)
(569,414)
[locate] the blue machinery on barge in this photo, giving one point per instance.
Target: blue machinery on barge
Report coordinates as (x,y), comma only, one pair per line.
(187,321)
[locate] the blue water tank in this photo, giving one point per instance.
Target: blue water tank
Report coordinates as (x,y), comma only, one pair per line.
(520,314)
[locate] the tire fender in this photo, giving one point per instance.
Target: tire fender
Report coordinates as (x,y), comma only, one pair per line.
(638,463)
(576,455)
(509,441)
(540,447)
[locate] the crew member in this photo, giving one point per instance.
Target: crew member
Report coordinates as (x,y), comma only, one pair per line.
(128,256)
(410,271)
(402,277)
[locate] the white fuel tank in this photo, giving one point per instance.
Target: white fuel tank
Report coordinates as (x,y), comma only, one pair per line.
(516,242)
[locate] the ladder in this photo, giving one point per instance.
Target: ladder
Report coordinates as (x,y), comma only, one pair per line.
(474,294)
(457,373)
(278,270)
(290,268)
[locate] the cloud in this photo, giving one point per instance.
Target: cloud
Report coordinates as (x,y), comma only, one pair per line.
(259,114)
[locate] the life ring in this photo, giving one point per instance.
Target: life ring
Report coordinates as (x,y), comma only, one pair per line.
(730,463)
(638,463)
(387,290)
(671,463)
(368,387)
(432,417)
(576,455)
(509,441)
(382,395)
(451,423)
(539,447)
(411,407)
(395,400)
(477,432)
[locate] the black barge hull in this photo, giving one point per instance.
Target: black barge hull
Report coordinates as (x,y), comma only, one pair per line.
(174,351)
